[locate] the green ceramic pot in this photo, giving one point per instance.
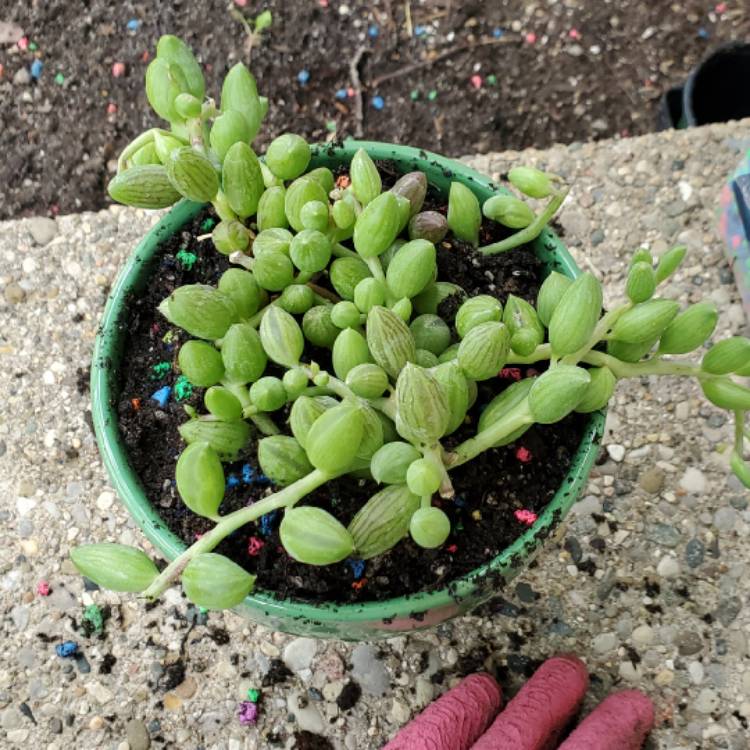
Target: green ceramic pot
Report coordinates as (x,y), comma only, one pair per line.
(366,621)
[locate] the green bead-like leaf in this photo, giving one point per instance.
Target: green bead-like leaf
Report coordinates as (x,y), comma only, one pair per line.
(271,211)
(345,314)
(310,251)
(367,380)
(200,479)
(456,389)
(242,288)
(192,175)
(243,354)
(145,186)
(226,438)
(551,292)
(200,363)
(215,582)
(377,226)
(729,355)
(314,215)
(366,183)
(318,327)
(411,269)
(431,332)
(240,93)
(484,350)
(305,410)
(230,236)
(345,274)
(324,176)
(273,271)
(300,192)
(508,211)
(222,403)
(228,128)
(423,477)
(164,143)
(383,521)
(641,282)
(349,350)
(670,262)
(645,322)
(389,340)
(429,527)
(187,106)
(531,182)
(576,315)
(464,214)
(727,394)
(282,337)
(428,300)
(526,330)
(276,240)
(630,352)
(390,462)
(268,393)
(368,293)
(242,179)
(557,392)
(477,310)
(288,155)
(164,83)
(600,390)
(201,310)
(116,567)
(690,329)
(282,459)
(422,409)
(313,536)
(333,440)
(295,382)
(145,155)
(741,468)
(296,299)
(343,214)
(501,407)
(173,50)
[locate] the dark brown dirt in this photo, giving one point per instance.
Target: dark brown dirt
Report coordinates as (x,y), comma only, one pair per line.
(489,488)
(564,72)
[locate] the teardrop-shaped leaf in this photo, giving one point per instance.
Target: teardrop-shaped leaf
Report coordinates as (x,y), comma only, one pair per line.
(215,582)
(116,567)
(313,536)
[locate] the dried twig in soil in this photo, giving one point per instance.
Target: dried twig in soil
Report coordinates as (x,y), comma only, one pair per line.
(448,53)
(357,86)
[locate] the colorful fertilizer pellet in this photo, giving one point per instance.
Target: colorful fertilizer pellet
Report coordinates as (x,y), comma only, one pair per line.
(373,31)
(160,369)
(512,373)
(118,69)
(303,76)
(66,649)
(268,522)
(42,588)
(451,549)
(476,81)
(523,454)
(207,224)
(183,388)
(233,480)
(59,79)
(357,566)
(360,584)
(491,79)
(254,546)
(253,695)
(247,713)
(432,95)
(414,95)
(525,516)
(341,94)
(135,403)
(162,396)
(133,24)
(186,259)
(378,102)
(36,69)
(111,108)
(93,615)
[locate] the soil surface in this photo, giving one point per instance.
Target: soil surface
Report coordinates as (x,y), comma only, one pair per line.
(523,475)
(455,77)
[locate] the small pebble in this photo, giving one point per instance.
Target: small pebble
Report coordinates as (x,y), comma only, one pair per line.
(668,567)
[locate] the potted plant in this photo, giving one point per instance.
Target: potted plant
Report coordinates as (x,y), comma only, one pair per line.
(327,342)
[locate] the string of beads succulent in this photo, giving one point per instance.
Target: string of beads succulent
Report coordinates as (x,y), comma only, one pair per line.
(349,268)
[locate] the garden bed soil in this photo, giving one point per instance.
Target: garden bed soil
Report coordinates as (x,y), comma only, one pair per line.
(524,475)
(563,72)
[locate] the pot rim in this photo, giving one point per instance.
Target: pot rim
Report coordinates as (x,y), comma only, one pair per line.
(107,354)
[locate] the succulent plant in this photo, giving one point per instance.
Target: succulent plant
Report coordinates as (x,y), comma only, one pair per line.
(401,377)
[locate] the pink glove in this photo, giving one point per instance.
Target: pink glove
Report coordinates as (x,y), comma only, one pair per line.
(455,720)
(534,719)
(622,721)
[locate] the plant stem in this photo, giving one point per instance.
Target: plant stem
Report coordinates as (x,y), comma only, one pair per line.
(518,417)
(739,432)
(530,232)
(262,421)
(284,498)
(376,268)
(602,327)
(435,455)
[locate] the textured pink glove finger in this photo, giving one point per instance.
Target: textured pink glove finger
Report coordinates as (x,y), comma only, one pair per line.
(621,722)
(455,720)
(534,719)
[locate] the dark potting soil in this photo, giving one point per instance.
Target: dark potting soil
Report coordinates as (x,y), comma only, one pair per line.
(524,475)
(460,78)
